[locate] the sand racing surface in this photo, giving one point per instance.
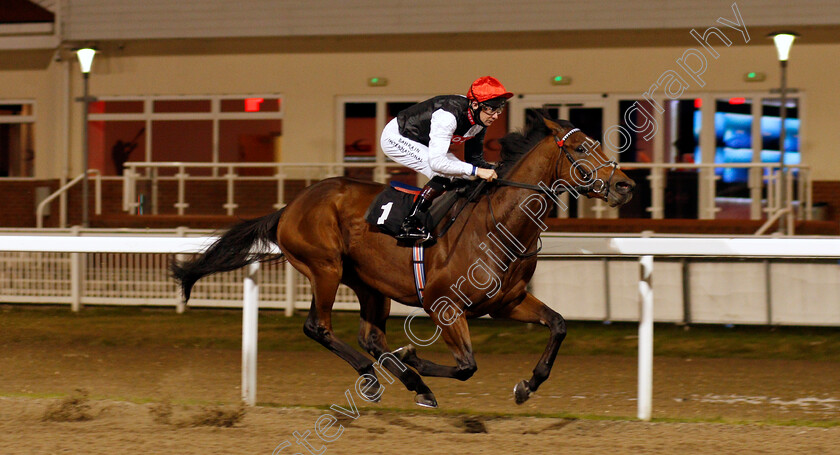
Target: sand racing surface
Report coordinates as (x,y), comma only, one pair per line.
(79,398)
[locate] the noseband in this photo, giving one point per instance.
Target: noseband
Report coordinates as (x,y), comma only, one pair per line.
(596,185)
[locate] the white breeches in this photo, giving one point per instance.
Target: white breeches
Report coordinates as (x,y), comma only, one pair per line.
(407,152)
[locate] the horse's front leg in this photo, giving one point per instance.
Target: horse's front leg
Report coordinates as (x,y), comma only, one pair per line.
(456,334)
(531,309)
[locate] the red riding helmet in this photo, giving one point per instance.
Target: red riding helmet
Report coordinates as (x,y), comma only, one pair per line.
(487,88)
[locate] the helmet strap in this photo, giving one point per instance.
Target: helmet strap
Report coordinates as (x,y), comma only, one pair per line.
(474,115)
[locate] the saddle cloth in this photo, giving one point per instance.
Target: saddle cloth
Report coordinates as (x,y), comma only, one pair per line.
(390,208)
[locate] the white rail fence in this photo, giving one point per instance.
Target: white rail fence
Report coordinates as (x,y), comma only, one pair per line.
(131,268)
(727,289)
(643,248)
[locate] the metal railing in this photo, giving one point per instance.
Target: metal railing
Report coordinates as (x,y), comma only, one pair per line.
(232,172)
(97,178)
(763,183)
(763,180)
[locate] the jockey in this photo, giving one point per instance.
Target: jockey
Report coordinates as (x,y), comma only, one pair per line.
(419,137)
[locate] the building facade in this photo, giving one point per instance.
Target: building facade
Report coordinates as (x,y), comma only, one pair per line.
(315,81)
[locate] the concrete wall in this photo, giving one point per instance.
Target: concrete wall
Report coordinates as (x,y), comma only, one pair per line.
(718,292)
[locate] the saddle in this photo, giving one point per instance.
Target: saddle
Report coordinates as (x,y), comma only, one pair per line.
(393,204)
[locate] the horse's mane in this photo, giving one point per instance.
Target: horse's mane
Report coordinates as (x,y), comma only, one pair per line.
(516,144)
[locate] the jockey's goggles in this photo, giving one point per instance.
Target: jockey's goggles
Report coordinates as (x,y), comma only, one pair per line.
(492,110)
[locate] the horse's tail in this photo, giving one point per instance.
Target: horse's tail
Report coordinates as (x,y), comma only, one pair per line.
(241,245)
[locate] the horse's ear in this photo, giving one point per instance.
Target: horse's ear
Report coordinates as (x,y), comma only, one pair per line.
(552,125)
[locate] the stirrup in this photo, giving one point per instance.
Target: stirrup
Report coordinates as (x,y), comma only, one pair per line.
(417,233)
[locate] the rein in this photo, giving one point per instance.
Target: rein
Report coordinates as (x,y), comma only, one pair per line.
(539,189)
(603,186)
(523,255)
(473,195)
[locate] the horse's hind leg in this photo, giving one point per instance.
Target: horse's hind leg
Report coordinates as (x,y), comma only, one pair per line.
(374,312)
(318,325)
(531,309)
(456,334)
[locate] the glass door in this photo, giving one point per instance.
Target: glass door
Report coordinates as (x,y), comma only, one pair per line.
(360,122)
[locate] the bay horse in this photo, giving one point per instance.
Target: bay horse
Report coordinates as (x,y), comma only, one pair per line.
(323,234)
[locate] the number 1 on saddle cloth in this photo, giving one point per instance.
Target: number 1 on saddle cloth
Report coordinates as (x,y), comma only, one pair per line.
(402,211)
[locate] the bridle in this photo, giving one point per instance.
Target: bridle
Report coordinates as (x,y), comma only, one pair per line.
(584,175)
(550,191)
(596,185)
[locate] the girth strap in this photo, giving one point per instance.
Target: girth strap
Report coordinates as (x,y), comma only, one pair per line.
(419,268)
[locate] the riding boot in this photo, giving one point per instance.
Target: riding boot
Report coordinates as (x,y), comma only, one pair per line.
(413,228)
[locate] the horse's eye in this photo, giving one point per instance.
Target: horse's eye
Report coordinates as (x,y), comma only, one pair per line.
(580,149)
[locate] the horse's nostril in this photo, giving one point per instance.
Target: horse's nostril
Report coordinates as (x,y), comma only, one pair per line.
(624,187)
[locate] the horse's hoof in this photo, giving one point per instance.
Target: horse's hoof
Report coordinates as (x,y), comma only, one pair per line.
(374,394)
(521,392)
(405,351)
(427,400)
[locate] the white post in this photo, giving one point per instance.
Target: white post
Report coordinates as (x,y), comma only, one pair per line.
(180,306)
(281,180)
(153,176)
(657,193)
(97,204)
(182,176)
(126,192)
(250,310)
(231,204)
(290,288)
(790,217)
(76,283)
(77,276)
(754,182)
(645,338)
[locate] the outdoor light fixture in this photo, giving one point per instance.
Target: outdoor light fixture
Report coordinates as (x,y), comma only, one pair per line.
(85,55)
(86,58)
(784,41)
(377,81)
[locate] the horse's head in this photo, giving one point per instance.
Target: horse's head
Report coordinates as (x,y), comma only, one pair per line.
(582,165)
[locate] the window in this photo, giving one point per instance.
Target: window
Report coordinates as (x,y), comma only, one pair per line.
(771,127)
(360,132)
(218,129)
(17,139)
(361,125)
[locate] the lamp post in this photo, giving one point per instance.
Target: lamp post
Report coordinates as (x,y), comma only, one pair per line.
(783,41)
(85,56)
